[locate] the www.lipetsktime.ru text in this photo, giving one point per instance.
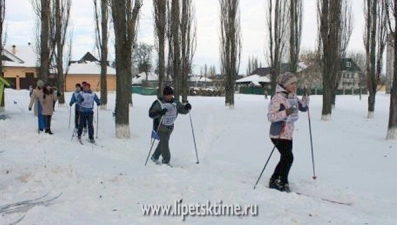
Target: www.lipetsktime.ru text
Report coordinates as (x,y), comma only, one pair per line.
(207,209)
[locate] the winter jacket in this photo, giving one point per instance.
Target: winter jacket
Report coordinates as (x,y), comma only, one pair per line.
(34,99)
(282,126)
(86,99)
(74,100)
(47,102)
(173,108)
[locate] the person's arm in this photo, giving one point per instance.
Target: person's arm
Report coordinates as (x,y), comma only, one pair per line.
(96,99)
(155,110)
(32,99)
(72,99)
(277,110)
(183,108)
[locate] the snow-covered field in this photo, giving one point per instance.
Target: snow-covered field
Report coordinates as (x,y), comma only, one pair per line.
(108,183)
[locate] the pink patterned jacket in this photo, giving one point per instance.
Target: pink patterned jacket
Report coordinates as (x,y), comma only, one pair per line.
(282,126)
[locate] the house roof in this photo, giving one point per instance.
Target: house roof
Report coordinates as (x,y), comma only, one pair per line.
(285,67)
(254,79)
(138,79)
(88,68)
(19,56)
(200,79)
(348,64)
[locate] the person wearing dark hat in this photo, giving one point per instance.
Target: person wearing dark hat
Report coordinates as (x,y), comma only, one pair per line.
(164,112)
(86,99)
(282,113)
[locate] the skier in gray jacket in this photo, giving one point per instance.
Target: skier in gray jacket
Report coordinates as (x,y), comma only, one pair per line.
(164,112)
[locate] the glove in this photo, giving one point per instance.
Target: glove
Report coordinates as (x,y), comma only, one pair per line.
(290,110)
(188,106)
(70,104)
(163,111)
(58,94)
(30,109)
(98,104)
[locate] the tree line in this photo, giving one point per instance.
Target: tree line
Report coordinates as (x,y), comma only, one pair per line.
(176,40)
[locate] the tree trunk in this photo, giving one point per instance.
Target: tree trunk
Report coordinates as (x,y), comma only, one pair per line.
(176,65)
(44,40)
(392,125)
(160,7)
(104,53)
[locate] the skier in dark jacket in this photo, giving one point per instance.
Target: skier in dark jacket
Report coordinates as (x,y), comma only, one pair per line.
(164,112)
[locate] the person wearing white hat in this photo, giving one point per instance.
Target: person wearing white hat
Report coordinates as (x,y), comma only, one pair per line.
(282,113)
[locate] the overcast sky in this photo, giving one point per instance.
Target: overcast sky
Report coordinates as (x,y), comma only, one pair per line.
(20,28)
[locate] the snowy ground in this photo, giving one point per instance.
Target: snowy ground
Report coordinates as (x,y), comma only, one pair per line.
(108,183)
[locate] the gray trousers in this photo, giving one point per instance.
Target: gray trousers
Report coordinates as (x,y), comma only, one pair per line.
(163,147)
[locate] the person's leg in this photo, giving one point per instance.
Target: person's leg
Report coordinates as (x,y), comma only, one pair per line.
(162,132)
(81,122)
(48,122)
(165,151)
(280,174)
(90,117)
(40,117)
(76,119)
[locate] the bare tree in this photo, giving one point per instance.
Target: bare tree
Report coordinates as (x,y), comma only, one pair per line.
(375,42)
(392,18)
(176,47)
(329,16)
(311,76)
(253,64)
(125,18)
(160,20)
(42,9)
(102,45)
(2,16)
(345,31)
(142,58)
(60,21)
(188,27)
(295,32)
(276,22)
(230,46)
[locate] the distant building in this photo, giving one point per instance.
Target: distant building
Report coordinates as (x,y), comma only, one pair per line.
(20,65)
(88,69)
(351,75)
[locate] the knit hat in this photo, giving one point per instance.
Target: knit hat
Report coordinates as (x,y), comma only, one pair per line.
(168,90)
(87,84)
(286,78)
(40,83)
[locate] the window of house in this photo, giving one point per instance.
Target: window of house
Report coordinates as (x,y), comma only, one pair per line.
(348,64)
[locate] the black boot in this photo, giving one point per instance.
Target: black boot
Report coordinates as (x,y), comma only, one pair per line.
(48,131)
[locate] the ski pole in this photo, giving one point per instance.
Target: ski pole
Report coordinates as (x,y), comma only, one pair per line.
(311,144)
(151,146)
(70,112)
(97,120)
(271,153)
(194,139)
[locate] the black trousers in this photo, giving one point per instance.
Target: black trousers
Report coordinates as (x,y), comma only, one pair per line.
(47,119)
(286,158)
(86,118)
